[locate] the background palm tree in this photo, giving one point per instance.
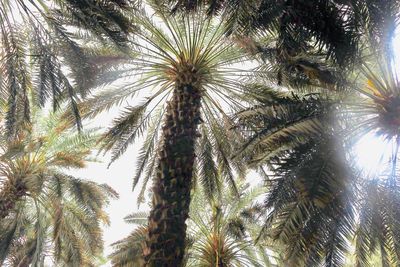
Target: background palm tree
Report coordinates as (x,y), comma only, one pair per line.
(45,213)
(220,234)
(40,38)
(223,234)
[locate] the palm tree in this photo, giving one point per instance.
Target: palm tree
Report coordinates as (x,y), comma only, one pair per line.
(190,75)
(224,233)
(220,234)
(318,199)
(40,38)
(46,213)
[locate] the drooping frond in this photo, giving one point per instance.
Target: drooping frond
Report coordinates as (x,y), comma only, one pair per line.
(278,122)
(38,38)
(377,232)
(131,124)
(207,171)
(309,205)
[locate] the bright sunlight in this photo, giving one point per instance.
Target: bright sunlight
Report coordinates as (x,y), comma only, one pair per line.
(373,151)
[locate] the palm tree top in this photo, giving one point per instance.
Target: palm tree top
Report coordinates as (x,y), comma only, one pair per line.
(169,51)
(46,213)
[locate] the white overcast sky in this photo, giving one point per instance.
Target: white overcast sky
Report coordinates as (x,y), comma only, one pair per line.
(119,176)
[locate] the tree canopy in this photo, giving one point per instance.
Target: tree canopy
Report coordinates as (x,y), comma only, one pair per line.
(214,93)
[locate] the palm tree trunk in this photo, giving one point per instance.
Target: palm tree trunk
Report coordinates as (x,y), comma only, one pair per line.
(9,195)
(165,243)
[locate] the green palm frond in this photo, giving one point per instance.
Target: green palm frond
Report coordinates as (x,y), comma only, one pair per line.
(378,227)
(207,171)
(131,124)
(139,218)
(309,204)
(279,121)
(43,59)
(47,214)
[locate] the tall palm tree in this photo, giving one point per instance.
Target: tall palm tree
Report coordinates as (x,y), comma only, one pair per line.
(186,69)
(220,233)
(46,213)
(40,38)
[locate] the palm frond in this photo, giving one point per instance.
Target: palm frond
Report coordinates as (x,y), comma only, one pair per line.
(50,215)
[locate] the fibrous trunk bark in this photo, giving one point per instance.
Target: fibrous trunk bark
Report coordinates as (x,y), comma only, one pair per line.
(165,243)
(9,195)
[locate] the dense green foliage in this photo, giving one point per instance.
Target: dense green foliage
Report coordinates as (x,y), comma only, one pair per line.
(41,53)
(211,89)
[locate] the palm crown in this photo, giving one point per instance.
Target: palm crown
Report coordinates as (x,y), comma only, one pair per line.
(45,213)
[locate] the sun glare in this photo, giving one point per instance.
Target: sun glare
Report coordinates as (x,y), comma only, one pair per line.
(372,151)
